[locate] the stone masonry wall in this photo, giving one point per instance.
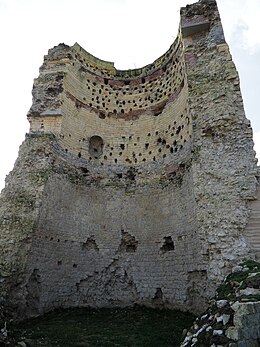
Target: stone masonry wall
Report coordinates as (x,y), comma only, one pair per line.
(224,166)
(19,208)
(105,245)
(132,186)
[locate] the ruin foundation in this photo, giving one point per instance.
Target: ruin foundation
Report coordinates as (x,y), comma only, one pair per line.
(131,186)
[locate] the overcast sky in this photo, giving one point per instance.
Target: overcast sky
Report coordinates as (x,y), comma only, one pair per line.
(132,33)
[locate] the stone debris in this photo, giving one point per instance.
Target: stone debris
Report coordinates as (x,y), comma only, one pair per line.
(226,318)
(249,291)
(221,303)
(230,321)
(6,340)
(217,332)
(22,344)
(4,331)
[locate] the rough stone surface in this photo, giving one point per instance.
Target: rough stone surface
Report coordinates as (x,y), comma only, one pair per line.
(132,186)
(233,318)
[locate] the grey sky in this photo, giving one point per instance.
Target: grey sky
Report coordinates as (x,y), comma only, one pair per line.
(240,21)
(132,33)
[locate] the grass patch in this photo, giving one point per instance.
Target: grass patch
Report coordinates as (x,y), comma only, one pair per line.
(251,264)
(237,276)
(225,291)
(136,327)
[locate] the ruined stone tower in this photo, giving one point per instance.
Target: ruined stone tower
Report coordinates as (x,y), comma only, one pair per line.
(131,186)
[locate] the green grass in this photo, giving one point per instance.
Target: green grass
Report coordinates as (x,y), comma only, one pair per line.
(252,265)
(131,327)
(225,291)
(240,280)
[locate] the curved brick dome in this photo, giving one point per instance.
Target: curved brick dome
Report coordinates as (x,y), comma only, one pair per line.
(141,115)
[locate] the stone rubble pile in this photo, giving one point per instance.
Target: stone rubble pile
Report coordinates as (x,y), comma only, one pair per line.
(233,318)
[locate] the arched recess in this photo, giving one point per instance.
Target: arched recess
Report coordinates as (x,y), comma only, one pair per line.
(96,145)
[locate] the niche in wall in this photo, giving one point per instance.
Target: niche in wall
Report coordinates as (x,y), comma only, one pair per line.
(96,145)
